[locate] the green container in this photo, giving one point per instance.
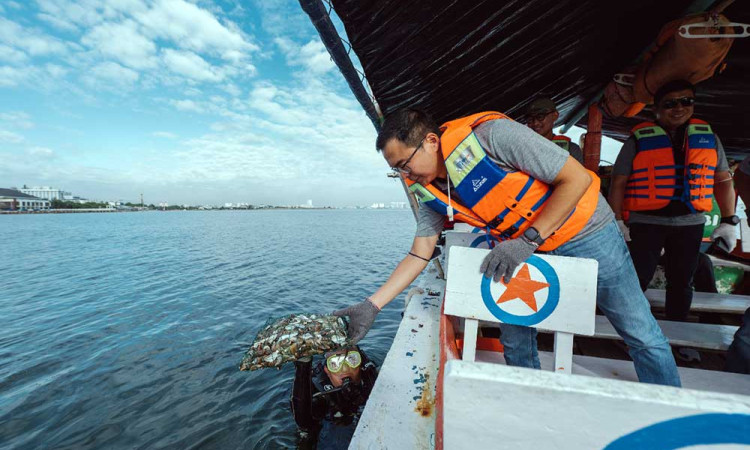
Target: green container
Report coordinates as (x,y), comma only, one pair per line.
(728,278)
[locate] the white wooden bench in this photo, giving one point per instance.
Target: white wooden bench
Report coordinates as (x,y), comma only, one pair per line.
(684,334)
(705,301)
(551,293)
(623,370)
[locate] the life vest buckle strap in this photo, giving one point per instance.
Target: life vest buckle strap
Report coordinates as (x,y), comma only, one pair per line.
(509,232)
(494,223)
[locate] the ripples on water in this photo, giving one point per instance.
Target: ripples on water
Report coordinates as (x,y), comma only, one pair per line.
(126,330)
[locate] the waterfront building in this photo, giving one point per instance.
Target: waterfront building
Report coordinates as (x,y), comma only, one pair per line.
(14,200)
(45,192)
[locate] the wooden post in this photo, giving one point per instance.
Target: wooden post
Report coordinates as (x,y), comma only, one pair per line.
(593,143)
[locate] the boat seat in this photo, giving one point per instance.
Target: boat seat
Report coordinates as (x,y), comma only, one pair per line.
(684,334)
(616,369)
(706,301)
(551,293)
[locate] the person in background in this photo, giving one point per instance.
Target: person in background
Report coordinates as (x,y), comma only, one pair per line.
(666,175)
(541,115)
(467,170)
(738,355)
(328,398)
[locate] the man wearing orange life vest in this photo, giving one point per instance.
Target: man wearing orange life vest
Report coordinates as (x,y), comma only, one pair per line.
(541,115)
(665,177)
(487,170)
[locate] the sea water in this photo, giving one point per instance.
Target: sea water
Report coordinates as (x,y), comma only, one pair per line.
(126,330)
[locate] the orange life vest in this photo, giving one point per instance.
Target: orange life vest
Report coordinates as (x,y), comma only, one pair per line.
(503,202)
(654,177)
(562,141)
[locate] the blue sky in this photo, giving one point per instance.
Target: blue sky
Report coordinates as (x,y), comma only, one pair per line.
(184,101)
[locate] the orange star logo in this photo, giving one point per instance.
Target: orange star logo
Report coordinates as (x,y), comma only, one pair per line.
(522,287)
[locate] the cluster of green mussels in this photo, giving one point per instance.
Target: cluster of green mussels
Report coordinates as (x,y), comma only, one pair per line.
(293,337)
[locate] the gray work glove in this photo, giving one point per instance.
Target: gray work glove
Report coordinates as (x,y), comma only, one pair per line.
(727,233)
(505,257)
(361,317)
(624,230)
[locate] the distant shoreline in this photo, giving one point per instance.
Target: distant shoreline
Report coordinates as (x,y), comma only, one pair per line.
(106,210)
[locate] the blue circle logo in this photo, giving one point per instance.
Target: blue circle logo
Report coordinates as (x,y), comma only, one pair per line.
(700,429)
(486,239)
(519,284)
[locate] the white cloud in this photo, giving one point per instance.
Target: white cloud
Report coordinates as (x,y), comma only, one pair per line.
(72,14)
(315,57)
(122,42)
(187,105)
(58,23)
(232,89)
(164,134)
(45,77)
(11,76)
(12,55)
(111,74)
(10,138)
(312,56)
(190,65)
(195,29)
(17,119)
(40,152)
(33,42)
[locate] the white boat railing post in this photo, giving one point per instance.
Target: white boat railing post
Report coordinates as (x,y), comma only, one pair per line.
(563,352)
(471,328)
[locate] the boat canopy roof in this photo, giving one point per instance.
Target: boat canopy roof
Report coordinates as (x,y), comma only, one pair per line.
(453,58)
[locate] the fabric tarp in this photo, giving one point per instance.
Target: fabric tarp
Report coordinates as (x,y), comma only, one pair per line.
(453,58)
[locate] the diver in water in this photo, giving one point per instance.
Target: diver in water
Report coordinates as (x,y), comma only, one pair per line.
(327,399)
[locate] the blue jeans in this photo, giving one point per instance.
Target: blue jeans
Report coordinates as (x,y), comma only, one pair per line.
(619,296)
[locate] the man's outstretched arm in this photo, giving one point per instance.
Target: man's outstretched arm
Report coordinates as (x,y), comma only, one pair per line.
(407,270)
(362,315)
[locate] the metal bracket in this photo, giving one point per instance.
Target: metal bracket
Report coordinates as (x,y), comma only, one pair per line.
(684,30)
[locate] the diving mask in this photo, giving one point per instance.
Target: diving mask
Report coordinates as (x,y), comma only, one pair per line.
(336,362)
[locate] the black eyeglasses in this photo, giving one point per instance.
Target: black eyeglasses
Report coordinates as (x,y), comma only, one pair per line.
(537,117)
(672,103)
(403,168)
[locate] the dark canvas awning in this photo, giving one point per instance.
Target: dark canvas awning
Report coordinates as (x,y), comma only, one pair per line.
(453,58)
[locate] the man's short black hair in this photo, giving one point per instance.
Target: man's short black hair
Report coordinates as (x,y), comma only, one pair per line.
(408,125)
(672,86)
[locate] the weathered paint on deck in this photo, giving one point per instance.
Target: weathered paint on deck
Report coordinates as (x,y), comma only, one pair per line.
(400,412)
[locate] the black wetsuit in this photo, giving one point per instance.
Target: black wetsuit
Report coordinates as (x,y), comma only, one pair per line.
(316,402)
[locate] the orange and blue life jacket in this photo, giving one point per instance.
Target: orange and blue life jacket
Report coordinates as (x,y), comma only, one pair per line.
(504,202)
(656,178)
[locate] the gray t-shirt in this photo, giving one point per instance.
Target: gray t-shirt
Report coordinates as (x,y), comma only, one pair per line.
(513,146)
(623,166)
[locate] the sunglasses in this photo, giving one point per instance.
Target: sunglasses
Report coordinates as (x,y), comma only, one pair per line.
(672,103)
(336,362)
